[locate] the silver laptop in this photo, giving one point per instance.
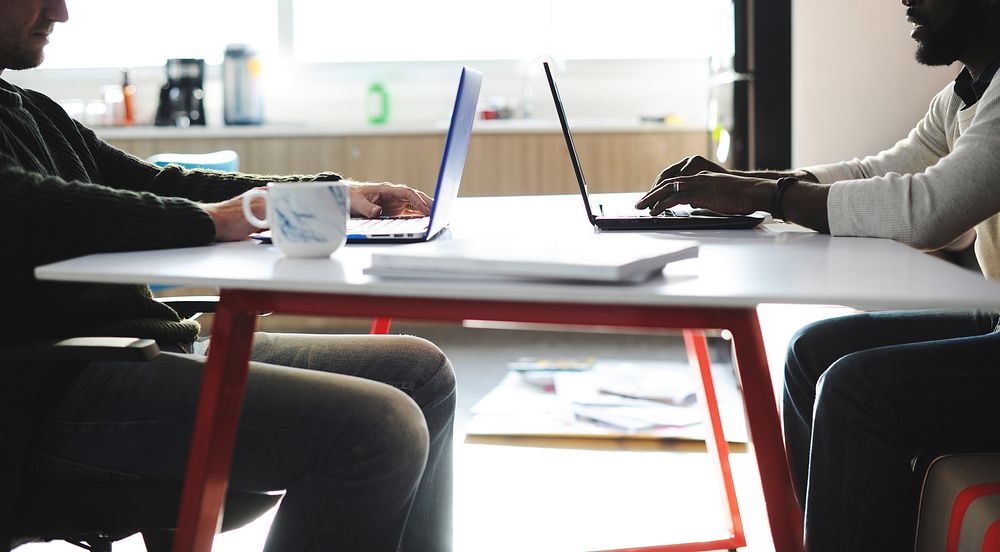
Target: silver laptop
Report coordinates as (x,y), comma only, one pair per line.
(456,146)
(406,229)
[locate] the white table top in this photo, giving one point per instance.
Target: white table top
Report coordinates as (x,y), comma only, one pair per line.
(735,268)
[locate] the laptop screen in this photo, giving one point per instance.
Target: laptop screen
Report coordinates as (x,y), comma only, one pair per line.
(569,141)
(456,146)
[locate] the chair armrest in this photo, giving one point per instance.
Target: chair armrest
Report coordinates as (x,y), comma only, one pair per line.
(108,348)
(190,305)
(85,348)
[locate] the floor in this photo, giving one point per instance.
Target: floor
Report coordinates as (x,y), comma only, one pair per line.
(543,499)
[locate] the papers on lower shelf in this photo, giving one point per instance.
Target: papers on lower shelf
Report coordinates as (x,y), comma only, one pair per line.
(589,405)
(596,258)
(632,383)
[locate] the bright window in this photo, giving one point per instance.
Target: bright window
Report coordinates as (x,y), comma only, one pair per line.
(641,29)
(404,30)
(135,33)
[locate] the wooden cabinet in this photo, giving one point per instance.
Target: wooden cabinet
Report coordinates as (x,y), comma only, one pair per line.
(498,163)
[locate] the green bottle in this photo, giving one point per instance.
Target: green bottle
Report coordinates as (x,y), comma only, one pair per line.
(378,104)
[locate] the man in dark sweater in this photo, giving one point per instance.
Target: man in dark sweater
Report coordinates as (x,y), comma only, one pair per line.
(356,429)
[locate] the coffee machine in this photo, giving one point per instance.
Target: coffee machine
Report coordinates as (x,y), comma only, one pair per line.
(182,98)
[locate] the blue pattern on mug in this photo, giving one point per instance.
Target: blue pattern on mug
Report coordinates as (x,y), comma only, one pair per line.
(295,224)
(305,216)
(339,194)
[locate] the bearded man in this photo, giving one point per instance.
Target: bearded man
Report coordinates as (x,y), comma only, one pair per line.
(865,395)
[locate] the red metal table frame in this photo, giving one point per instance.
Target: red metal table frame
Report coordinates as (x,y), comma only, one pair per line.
(221,395)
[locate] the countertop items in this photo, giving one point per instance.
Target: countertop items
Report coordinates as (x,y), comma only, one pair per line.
(280,130)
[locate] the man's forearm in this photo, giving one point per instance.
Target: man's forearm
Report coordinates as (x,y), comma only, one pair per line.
(802,176)
(46,212)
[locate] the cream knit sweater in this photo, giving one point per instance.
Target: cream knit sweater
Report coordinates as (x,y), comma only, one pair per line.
(932,186)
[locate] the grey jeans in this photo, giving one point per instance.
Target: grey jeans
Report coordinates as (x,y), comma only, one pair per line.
(357,430)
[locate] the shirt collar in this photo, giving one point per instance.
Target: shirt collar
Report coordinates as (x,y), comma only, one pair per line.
(9,95)
(971,90)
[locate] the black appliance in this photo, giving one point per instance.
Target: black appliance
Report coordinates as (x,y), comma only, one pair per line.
(750,95)
(182,98)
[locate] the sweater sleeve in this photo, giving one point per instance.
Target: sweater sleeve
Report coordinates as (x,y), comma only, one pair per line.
(924,145)
(930,207)
(49,218)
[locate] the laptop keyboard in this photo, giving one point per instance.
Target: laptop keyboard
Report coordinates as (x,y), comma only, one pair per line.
(671,213)
(697,212)
(406,225)
(675,213)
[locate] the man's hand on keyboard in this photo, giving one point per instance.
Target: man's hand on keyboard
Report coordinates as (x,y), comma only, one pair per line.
(721,193)
(386,199)
(686,167)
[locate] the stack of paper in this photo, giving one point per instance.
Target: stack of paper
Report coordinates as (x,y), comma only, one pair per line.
(596,259)
(579,411)
(590,400)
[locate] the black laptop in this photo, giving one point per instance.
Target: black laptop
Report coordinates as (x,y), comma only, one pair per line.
(678,218)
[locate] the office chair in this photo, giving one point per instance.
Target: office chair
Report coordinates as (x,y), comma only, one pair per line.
(90,515)
(94,515)
(959,502)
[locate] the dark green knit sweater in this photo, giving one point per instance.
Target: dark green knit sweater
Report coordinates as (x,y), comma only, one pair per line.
(66,193)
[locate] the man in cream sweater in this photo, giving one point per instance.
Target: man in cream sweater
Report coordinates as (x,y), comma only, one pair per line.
(866,394)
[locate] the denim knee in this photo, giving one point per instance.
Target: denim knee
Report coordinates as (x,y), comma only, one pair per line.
(398,437)
(803,348)
(846,388)
(431,368)
(801,370)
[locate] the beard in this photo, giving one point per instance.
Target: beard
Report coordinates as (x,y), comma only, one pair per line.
(21,60)
(25,51)
(945,45)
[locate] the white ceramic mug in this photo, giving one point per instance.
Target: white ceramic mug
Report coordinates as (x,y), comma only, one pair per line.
(307,219)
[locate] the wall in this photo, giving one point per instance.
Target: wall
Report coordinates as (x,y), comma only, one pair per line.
(856,88)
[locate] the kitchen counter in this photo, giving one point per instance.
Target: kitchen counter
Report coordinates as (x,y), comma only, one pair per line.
(287,130)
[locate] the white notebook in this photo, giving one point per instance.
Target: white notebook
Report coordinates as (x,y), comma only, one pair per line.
(595,259)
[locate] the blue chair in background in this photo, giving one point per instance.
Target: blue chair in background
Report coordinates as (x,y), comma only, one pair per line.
(229,161)
(224,160)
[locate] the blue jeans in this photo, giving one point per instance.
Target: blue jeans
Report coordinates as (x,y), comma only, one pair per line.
(357,430)
(867,394)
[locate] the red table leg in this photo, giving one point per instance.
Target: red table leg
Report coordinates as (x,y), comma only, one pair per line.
(226,370)
(715,439)
(219,406)
(718,451)
(380,326)
(765,432)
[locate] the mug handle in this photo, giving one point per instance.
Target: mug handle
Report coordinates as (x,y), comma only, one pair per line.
(248,212)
